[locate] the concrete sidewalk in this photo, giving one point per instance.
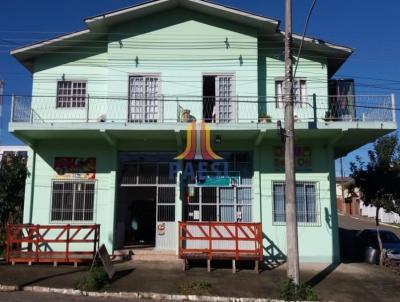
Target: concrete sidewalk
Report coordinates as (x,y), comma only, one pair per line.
(345,282)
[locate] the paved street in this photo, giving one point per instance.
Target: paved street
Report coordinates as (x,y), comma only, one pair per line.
(359,223)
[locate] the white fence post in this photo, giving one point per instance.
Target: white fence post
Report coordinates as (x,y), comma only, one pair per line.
(393,107)
(12,109)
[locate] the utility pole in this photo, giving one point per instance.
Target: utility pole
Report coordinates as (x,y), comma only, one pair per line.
(290,178)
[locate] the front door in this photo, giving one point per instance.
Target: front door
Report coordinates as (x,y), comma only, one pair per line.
(141,216)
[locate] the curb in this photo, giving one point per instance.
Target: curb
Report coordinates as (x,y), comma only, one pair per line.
(131,295)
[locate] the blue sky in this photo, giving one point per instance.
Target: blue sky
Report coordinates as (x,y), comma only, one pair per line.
(369,26)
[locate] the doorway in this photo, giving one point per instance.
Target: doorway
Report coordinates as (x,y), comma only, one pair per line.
(208,98)
(219,105)
(139,211)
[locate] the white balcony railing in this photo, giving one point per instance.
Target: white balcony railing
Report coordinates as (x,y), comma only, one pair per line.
(180,109)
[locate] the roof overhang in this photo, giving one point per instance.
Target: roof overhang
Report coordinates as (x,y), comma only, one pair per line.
(26,54)
(97,25)
(335,54)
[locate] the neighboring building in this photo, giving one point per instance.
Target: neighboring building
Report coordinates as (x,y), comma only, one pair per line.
(385,217)
(347,204)
(352,204)
(110,110)
(15,150)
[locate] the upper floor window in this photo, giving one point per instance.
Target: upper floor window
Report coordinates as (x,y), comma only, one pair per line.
(71,94)
(299,90)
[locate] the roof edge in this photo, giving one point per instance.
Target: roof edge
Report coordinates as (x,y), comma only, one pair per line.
(211,4)
(50,41)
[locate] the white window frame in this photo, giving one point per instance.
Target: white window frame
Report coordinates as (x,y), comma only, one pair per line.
(144,116)
(300,92)
(218,204)
(73,220)
(71,100)
(317,212)
(232,99)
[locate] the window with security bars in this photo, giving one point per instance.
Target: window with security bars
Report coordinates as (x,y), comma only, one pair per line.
(225,204)
(299,91)
(165,203)
(71,94)
(306,202)
(73,200)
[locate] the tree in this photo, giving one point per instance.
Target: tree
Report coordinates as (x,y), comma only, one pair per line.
(13,173)
(378,180)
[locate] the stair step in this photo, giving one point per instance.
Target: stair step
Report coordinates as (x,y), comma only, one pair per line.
(145,255)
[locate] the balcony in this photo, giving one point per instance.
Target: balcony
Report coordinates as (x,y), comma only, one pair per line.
(213,110)
(346,121)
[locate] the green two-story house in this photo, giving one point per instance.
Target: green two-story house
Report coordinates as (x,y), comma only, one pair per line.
(107,127)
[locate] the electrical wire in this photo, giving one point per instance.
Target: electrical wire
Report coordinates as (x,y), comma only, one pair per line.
(303,36)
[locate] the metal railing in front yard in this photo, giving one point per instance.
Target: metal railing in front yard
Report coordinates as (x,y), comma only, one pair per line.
(220,240)
(221,110)
(30,243)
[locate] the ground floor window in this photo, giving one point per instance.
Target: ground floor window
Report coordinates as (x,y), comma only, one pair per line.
(73,200)
(226,204)
(306,202)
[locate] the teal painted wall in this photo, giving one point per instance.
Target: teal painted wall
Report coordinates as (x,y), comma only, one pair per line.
(44,173)
(318,242)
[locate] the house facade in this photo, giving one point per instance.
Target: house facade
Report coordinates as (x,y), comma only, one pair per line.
(168,111)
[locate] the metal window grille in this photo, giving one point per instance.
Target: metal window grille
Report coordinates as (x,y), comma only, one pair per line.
(165,203)
(227,204)
(307,203)
(147,173)
(73,200)
(71,94)
(299,91)
(144,94)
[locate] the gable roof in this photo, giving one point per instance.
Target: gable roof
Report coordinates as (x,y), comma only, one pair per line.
(97,24)
(220,11)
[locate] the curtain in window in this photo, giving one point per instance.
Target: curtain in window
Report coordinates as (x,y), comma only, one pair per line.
(227,208)
(311,203)
(279,202)
(300,203)
(306,204)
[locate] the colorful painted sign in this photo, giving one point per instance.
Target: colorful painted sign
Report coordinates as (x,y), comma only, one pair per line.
(198,144)
(302,158)
(75,167)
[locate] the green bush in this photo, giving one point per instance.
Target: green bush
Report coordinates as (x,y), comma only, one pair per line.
(289,291)
(94,280)
(198,287)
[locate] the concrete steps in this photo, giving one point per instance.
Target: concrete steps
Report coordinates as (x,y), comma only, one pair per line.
(145,254)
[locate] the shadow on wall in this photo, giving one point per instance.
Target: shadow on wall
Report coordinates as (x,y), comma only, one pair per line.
(274,257)
(328,218)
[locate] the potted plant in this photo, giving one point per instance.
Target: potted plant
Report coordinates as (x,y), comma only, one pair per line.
(265,118)
(185,115)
